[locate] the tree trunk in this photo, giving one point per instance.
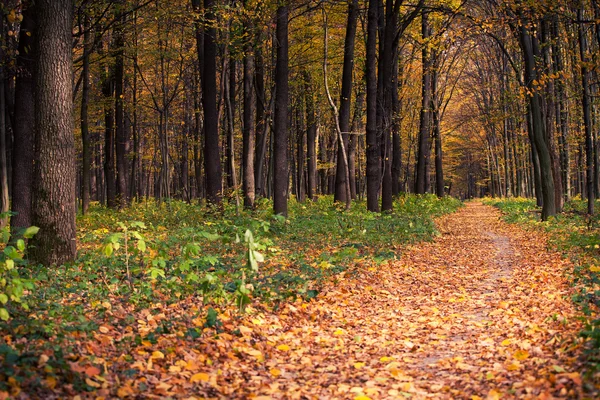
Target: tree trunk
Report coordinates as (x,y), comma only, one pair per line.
(249,123)
(120,131)
(425,120)
(24,125)
(280,182)
(54,183)
(437,132)
(311,138)
(587,119)
(345,101)
(538,126)
(372,151)
(212,159)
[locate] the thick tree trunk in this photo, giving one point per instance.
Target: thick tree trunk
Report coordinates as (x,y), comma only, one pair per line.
(281,181)
(24,125)
(54,183)
(372,151)
(212,158)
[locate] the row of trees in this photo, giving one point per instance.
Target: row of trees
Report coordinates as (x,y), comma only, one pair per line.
(231,99)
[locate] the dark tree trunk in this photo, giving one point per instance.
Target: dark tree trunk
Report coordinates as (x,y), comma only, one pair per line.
(54,183)
(86,158)
(345,101)
(230,105)
(108,85)
(24,124)
(4,189)
(260,131)
(311,138)
(549,116)
(199,32)
(249,123)
(280,182)
(372,151)
(121,138)
(212,158)
(425,119)
(353,142)
(396,139)
(535,102)
(587,119)
(437,132)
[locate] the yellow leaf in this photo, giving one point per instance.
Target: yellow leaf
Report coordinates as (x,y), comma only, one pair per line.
(475,397)
(359,365)
(125,391)
(594,268)
(157,354)
(494,395)
(283,347)
(199,377)
(92,383)
(275,372)
(338,332)
(50,382)
(506,342)
(385,359)
(521,355)
(362,397)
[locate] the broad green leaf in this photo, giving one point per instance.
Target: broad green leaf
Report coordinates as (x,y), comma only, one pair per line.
(30,232)
(3,298)
(4,314)
(108,249)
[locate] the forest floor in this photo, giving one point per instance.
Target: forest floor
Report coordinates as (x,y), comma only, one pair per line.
(482,311)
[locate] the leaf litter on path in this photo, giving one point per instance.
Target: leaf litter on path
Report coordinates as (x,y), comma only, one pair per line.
(481,312)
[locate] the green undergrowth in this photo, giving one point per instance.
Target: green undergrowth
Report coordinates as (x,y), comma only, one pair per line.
(578,236)
(205,259)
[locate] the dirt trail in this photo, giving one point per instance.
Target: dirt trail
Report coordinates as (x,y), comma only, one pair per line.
(481,312)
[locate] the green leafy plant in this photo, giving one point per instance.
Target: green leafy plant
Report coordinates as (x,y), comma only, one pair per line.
(12,285)
(128,234)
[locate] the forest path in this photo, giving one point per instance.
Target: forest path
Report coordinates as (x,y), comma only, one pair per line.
(480,311)
(483,311)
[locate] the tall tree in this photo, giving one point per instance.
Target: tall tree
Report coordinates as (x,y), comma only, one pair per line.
(586,106)
(373,155)
(422,178)
(281,180)
(249,115)
(24,125)
(212,158)
(54,172)
(530,51)
(86,159)
(345,102)
(121,137)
